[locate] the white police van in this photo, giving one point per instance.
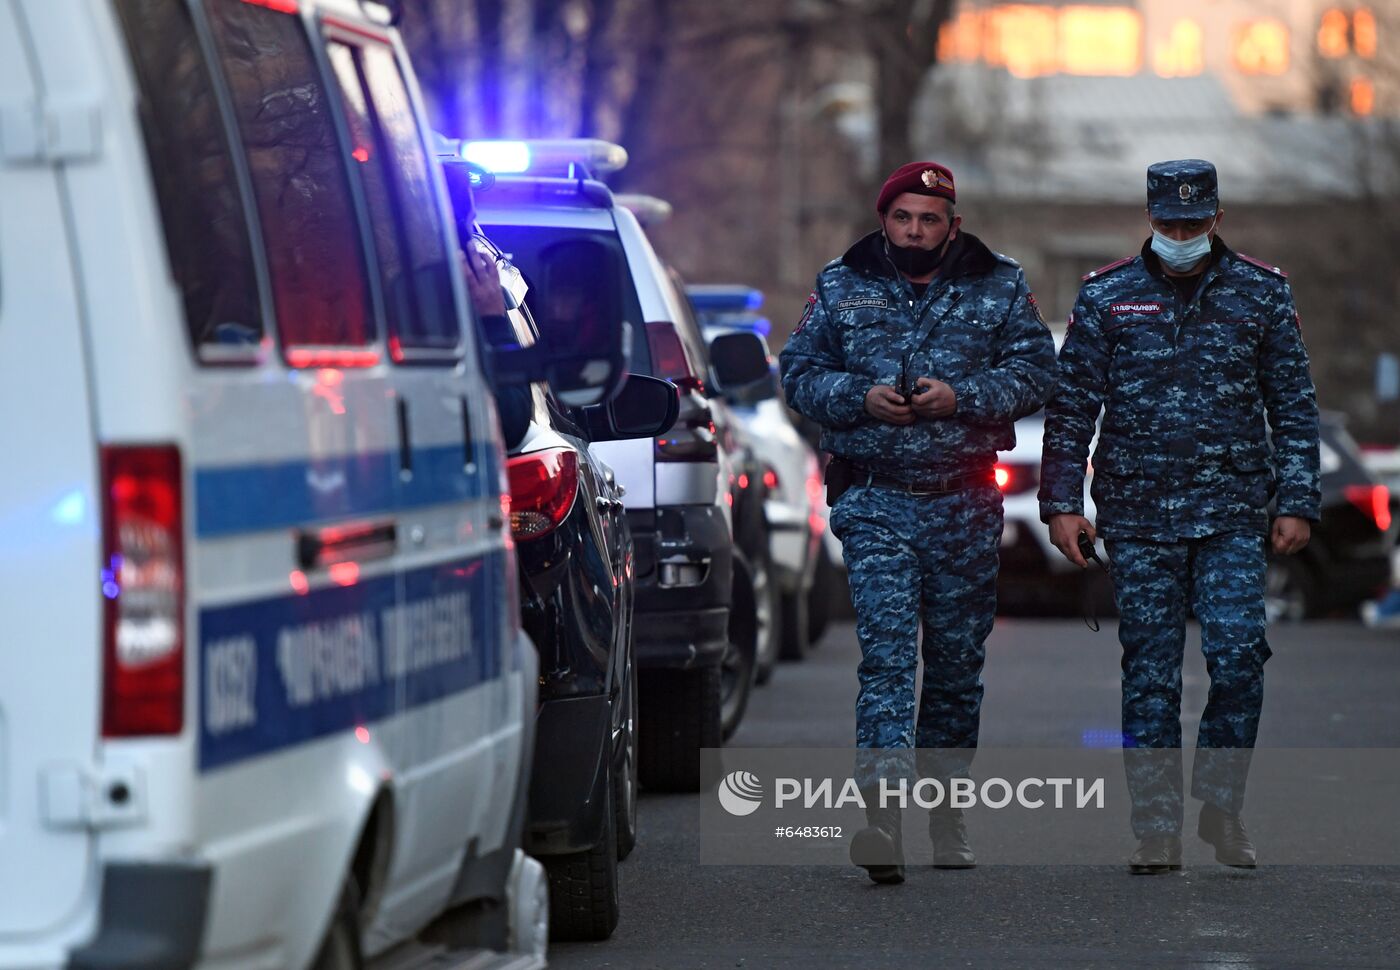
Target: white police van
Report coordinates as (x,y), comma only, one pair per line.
(264,699)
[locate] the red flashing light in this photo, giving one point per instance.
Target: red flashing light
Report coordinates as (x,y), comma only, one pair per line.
(1373,501)
(143,670)
(1003,477)
(345,573)
(281,6)
(543,485)
(360,154)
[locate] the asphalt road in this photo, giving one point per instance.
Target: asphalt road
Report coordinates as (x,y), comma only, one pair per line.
(1328,684)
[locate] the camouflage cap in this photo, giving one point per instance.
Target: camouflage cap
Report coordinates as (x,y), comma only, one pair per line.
(1182,189)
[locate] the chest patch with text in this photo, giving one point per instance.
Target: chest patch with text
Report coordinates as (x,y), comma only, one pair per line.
(863,301)
(1118,309)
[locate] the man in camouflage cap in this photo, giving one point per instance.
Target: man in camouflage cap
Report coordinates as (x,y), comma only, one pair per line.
(917,351)
(1190,348)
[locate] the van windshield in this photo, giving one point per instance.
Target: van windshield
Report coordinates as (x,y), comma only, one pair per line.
(560,267)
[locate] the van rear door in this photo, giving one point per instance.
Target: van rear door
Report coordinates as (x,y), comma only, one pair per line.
(50,604)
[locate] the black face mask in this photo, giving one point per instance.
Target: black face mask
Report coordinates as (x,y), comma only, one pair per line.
(913,261)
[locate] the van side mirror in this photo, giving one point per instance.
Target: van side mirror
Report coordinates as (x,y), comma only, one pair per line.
(579,311)
(644,408)
(740,364)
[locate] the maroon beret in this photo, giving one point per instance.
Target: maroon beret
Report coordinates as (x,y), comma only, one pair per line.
(921,178)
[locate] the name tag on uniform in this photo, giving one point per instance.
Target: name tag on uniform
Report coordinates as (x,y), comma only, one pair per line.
(1120,308)
(863,301)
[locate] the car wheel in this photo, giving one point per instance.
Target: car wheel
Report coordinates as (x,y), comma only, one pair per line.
(770,626)
(625,776)
(1289,592)
(825,585)
(737,667)
(583,902)
(340,949)
(679,716)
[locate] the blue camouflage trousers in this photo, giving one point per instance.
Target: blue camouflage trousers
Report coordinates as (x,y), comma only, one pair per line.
(1221,578)
(930,560)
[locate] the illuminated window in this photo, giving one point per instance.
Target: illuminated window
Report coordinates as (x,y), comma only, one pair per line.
(1180,54)
(1363,96)
(1261,47)
(960,39)
(1332,34)
(1363,32)
(1100,40)
(1021,38)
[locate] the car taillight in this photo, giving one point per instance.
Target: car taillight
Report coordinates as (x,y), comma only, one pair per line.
(693,437)
(542,489)
(1013,478)
(1373,501)
(143,583)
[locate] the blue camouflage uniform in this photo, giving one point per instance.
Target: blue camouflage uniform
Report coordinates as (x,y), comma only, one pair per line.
(913,557)
(1183,478)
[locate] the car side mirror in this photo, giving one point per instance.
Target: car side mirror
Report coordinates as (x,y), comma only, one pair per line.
(740,362)
(644,408)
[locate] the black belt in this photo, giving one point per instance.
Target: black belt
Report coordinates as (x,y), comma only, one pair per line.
(927,486)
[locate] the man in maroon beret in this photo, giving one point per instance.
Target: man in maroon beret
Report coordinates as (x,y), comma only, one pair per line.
(917,351)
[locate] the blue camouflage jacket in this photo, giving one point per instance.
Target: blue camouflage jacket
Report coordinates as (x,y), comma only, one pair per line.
(1186,387)
(976,327)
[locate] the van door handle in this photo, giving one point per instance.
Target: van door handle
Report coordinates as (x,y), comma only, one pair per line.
(405,441)
(344,543)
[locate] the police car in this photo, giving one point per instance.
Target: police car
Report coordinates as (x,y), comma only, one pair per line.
(677,484)
(264,699)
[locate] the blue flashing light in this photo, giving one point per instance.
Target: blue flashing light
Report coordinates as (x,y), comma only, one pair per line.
(69,509)
(762,326)
(501,157)
(724,298)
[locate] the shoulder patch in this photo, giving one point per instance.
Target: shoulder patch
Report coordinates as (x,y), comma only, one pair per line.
(806,313)
(1093,274)
(1266,267)
(1030,298)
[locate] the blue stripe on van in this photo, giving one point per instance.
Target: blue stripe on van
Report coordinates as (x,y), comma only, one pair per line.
(251,498)
(290,669)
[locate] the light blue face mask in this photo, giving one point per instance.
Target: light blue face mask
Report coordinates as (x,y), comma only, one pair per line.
(1182,255)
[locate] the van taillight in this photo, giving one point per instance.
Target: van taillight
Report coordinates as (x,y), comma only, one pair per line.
(542,489)
(1373,501)
(693,437)
(143,589)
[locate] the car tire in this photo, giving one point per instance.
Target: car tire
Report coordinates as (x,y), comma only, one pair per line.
(738,667)
(770,621)
(625,776)
(1290,593)
(340,948)
(796,626)
(583,889)
(825,585)
(679,716)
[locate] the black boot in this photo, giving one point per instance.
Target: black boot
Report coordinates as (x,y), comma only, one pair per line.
(1226,832)
(1156,853)
(948,833)
(879,847)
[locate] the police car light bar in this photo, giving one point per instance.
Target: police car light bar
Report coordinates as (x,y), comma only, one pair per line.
(535,156)
(648,209)
(721,297)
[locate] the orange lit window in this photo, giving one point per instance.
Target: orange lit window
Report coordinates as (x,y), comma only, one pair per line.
(1363,32)
(1261,47)
(960,39)
(1332,34)
(1363,96)
(1100,41)
(1180,54)
(1021,38)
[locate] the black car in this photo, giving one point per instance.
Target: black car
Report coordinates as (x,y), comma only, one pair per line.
(1348,558)
(576,563)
